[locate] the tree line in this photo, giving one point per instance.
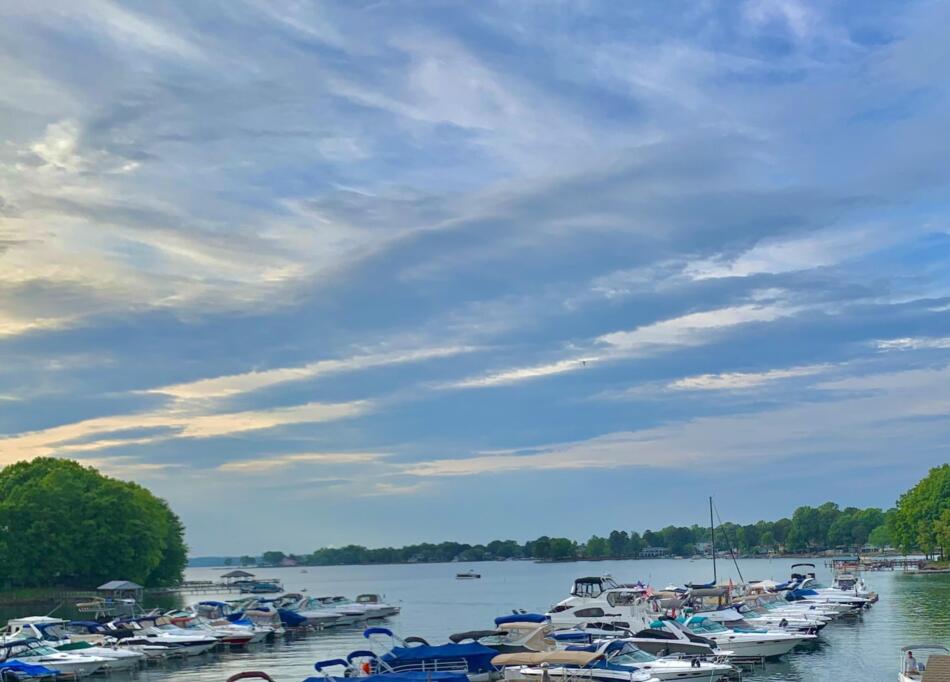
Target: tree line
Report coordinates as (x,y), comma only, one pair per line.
(65,525)
(810,529)
(919,522)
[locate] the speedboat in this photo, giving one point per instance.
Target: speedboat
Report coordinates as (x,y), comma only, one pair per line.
(734,618)
(32,650)
(91,632)
(620,660)
(747,644)
(924,663)
(665,637)
(468,575)
(17,670)
(562,664)
(512,634)
(376,607)
(52,632)
(149,631)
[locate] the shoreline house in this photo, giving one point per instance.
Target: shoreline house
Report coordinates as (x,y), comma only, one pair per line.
(654,552)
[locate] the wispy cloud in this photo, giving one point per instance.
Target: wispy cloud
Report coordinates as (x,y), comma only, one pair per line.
(694,329)
(914,343)
(266,464)
(733,381)
(887,415)
(224,386)
(98,433)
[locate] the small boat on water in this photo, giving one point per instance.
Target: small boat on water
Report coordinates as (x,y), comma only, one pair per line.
(52,632)
(607,661)
(468,575)
(33,651)
(924,663)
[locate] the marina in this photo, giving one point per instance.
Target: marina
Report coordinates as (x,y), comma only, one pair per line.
(427,604)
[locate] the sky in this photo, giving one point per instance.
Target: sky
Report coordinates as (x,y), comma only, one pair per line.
(389,272)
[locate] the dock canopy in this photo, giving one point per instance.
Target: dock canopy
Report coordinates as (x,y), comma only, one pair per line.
(238,574)
(120,586)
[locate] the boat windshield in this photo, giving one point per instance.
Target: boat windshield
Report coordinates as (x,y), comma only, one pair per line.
(631,655)
(54,632)
(706,626)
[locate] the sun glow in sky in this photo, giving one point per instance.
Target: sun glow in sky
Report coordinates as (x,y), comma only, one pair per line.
(383,272)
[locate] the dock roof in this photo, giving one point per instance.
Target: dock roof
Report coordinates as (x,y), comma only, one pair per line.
(114,585)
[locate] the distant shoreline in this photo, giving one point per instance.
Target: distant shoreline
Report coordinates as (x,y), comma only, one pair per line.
(726,557)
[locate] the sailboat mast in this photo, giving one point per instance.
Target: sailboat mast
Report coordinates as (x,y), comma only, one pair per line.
(712,533)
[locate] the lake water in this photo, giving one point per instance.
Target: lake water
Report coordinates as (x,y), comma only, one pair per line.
(434,604)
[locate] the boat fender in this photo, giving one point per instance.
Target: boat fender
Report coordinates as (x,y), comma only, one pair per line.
(365,668)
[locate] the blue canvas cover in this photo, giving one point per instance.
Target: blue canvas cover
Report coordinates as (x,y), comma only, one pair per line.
(521,618)
(26,669)
(477,656)
(291,618)
(411,676)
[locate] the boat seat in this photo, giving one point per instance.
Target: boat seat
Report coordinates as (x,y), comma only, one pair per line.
(938,669)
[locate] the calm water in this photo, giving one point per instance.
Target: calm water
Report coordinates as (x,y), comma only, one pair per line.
(435,604)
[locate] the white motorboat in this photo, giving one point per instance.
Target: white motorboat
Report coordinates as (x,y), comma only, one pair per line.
(375,606)
(924,663)
(31,650)
(601,600)
(52,632)
(619,658)
(732,618)
(562,665)
(321,612)
(742,644)
(146,632)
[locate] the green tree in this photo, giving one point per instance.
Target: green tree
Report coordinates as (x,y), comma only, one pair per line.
(228,561)
(65,524)
(596,547)
(880,537)
(272,558)
(912,524)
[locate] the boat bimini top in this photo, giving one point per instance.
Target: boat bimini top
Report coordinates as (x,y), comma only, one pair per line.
(558,657)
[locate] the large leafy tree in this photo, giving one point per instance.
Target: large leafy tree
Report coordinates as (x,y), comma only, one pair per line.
(65,524)
(914,523)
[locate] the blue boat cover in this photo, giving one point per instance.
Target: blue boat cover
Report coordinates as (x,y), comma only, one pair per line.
(477,656)
(521,618)
(409,676)
(213,603)
(28,669)
(291,618)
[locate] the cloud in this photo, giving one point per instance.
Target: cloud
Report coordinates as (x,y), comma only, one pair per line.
(914,343)
(267,464)
(889,414)
(229,385)
(693,329)
(732,381)
(523,373)
(97,433)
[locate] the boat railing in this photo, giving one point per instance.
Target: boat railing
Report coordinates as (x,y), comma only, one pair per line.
(454,665)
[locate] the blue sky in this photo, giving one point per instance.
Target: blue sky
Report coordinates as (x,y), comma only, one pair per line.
(385,272)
